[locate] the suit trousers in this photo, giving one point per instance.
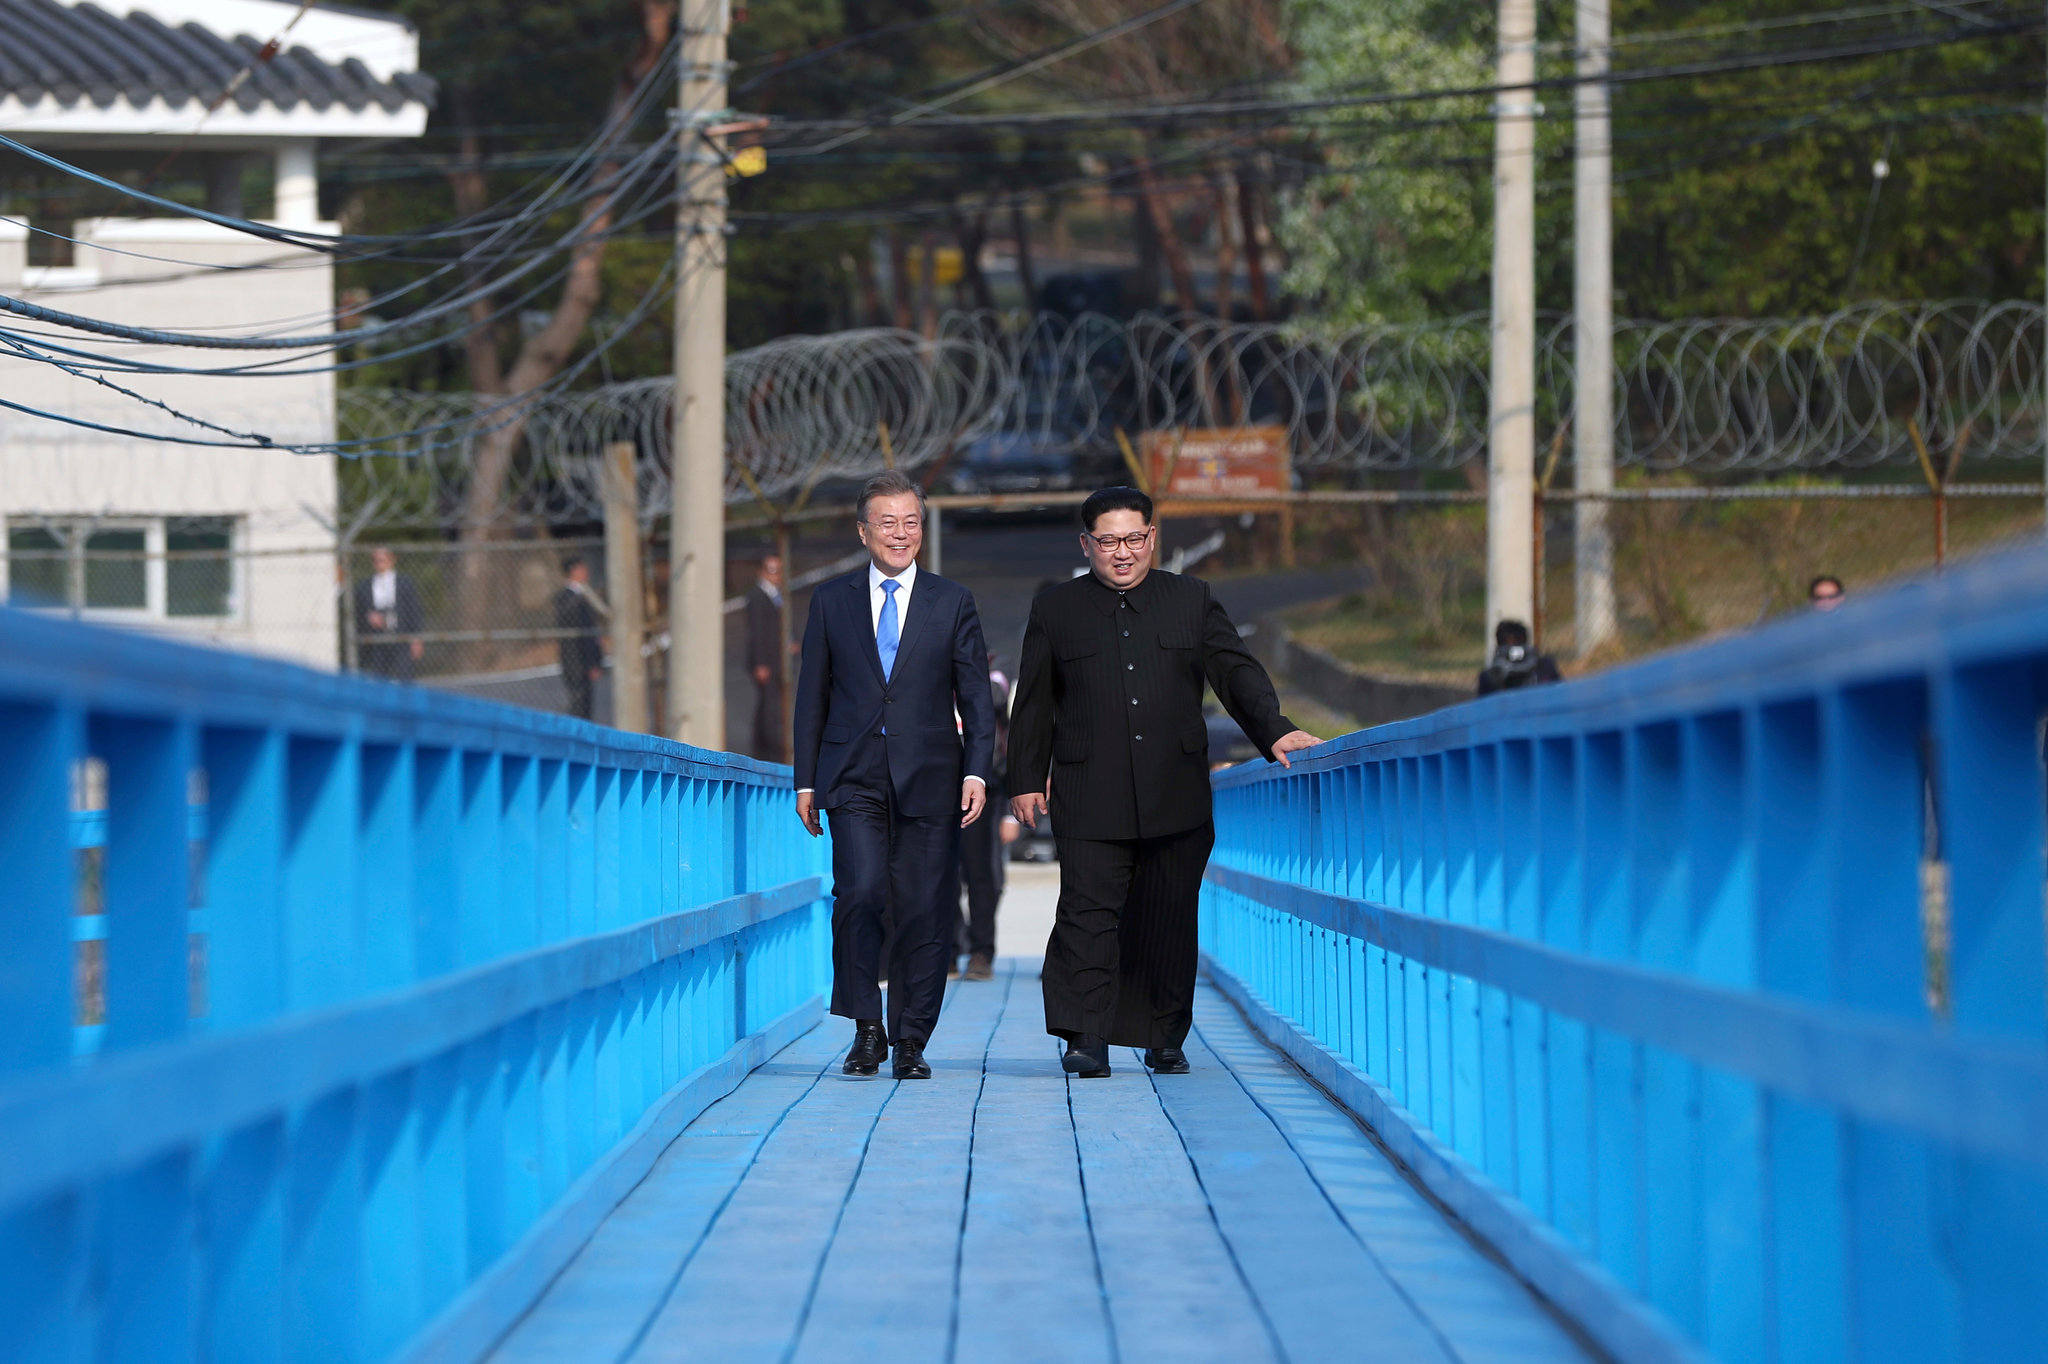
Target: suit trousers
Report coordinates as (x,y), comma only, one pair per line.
(981,871)
(1125,940)
(894,878)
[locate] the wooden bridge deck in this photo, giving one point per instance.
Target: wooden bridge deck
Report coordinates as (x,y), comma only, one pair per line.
(1001,1212)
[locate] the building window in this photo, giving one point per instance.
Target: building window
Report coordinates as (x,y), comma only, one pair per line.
(179,568)
(199,577)
(37,568)
(117,569)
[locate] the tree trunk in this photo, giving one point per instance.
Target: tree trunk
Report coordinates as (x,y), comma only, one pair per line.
(1185,297)
(870,296)
(547,351)
(1025,278)
(899,280)
(1254,254)
(971,233)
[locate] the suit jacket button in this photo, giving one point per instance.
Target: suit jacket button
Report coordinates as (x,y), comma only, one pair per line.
(1139,737)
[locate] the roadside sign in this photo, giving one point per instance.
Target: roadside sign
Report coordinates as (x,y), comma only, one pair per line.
(1219,462)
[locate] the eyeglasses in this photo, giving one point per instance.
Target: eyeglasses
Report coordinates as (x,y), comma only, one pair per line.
(1134,542)
(889,524)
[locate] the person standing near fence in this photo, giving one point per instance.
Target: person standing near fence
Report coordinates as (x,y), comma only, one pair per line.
(765,660)
(387,605)
(578,608)
(1108,723)
(981,848)
(889,655)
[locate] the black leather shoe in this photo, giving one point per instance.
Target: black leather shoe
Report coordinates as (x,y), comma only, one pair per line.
(1167,1060)
(910,1062)
(870,1048)
(1087,1057)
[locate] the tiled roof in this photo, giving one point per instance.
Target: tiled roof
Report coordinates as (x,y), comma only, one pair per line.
(82,54)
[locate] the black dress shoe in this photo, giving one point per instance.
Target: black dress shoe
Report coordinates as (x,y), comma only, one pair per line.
(870,1048)
(910,1062)
(1087,1057)
(1167,1060)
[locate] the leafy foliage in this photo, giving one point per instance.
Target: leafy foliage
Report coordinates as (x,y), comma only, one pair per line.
(1744,193)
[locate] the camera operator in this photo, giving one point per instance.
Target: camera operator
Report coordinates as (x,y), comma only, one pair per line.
(1514,663)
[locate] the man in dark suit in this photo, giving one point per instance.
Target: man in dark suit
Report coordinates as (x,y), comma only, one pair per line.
(764,658)
(889,655)
(387,609)
(578,608)
(1109,707)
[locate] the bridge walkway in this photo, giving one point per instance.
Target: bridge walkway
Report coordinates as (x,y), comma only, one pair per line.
(1002,1212)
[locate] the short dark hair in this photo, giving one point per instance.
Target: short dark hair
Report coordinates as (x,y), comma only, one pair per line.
(1814,586)
(572,563)
(1510,632)
(1105,500)
(888,483)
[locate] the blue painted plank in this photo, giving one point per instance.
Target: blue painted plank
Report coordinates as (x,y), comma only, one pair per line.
(903,1217)
(1323,1294)
(1625,1326)
(742,1293)
(1175,1291)
(1480,1311)
(613,1288)
(1027,1260)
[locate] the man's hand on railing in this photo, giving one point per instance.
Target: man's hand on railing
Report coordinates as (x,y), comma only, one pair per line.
(807,811)
(1026,809)
(1292,742)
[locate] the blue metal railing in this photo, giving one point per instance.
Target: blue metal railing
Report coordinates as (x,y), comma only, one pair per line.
(1711,990)
(334,1015)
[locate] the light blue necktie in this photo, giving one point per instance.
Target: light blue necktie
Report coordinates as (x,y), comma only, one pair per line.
(886,631)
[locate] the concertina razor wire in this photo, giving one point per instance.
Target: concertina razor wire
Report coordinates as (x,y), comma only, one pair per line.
(1834,393)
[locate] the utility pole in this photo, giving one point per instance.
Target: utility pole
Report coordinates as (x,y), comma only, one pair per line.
(622,579)
(1511,427)
(696,552)
(1593,330)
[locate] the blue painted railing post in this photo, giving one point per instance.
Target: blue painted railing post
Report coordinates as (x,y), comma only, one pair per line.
(38,745)
(1714,989)
(1991,795)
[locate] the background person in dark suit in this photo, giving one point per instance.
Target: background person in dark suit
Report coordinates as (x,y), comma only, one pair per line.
(580,609)
(387,604)
(889,655)
(981,849)
(765,660)
(1108,717)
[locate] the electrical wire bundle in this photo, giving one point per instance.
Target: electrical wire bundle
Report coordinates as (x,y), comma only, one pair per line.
(500,260)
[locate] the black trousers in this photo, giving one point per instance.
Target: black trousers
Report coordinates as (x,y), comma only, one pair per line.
(893,878)
(1124,949)
(767,742)
(981,871)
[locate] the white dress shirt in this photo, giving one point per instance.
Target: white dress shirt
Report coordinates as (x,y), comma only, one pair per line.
(906,583)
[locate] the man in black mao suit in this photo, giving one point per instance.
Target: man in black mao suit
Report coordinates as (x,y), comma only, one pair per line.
(889,654)
(1109,707)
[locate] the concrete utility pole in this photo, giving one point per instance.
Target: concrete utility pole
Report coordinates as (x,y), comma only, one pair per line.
(696,556)
(1593,329)
(622,580)
(1511,489)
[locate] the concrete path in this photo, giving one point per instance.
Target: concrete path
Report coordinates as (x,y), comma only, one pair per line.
(1001,1212)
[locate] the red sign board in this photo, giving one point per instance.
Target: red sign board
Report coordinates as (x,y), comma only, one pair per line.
(1221,462)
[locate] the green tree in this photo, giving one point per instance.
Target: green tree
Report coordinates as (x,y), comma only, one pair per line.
(1744,193)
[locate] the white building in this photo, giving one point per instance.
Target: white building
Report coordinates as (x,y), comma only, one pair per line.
(230,545)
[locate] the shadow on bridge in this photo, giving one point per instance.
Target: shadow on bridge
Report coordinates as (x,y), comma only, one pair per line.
(347,1021)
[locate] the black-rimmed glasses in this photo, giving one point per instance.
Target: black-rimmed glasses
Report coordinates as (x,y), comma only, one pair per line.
(1133,542)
